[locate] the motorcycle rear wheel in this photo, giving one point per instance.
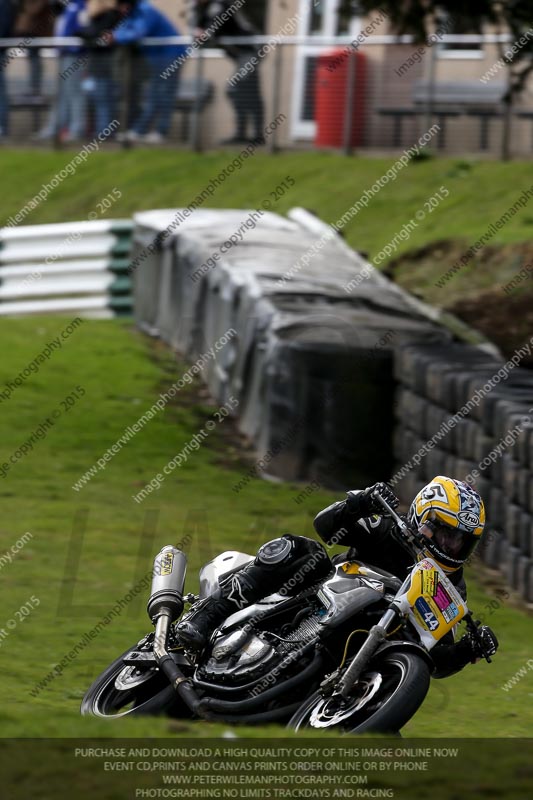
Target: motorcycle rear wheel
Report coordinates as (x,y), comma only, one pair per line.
(384,699)
(143,692)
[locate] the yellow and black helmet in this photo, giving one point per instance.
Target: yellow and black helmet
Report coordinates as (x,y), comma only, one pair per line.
(452,515)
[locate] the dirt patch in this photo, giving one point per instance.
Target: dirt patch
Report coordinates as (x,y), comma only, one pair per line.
(492,293)
(508,322)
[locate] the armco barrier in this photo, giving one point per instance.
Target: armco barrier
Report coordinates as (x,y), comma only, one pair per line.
(489,443)
(77,267)
(310,363)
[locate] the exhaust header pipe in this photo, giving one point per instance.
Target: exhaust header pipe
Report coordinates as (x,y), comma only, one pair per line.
(164,606)
(166,597)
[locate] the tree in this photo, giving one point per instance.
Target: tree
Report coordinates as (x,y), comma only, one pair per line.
(420,17)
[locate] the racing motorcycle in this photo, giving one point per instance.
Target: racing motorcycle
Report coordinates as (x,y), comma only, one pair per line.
(351,653)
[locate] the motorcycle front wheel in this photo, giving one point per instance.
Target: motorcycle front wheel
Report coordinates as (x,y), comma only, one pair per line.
(386,696)
(123,690)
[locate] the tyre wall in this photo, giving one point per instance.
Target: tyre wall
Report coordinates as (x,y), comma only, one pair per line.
(313,330)
(466,414)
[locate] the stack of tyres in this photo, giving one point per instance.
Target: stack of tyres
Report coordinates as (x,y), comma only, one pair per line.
(309,329)
(453,419)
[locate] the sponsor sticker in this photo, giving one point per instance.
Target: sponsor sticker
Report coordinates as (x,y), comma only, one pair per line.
(441,597)
(166,564)
(468,518)
(445,603)
(429,582)
(450,613)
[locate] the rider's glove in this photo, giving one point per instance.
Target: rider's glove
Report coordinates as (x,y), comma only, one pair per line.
(364,505)
(475,649)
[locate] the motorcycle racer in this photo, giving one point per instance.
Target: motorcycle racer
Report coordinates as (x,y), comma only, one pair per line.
(448,513)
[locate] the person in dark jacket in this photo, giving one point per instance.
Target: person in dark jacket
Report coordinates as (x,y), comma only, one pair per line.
(244,93)
(7,19)
(450,515)
(97,22)
(35,19)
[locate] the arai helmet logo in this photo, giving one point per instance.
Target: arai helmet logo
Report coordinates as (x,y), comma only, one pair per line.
(468,518)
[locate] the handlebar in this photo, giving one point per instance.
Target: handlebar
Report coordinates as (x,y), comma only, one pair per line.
(412,537)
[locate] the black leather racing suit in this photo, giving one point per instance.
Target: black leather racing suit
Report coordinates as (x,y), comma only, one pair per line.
(370,541)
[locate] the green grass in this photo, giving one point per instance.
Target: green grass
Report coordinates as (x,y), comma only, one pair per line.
(122,373)
(327,183)
(480,191)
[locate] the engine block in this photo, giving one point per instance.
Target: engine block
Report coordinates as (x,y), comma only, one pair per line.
(307,630)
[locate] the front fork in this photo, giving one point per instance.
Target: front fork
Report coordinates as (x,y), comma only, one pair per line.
(377,635)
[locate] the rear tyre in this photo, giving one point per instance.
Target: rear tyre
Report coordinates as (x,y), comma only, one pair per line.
(122,690)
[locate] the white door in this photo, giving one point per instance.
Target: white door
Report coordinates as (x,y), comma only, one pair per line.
(317,18)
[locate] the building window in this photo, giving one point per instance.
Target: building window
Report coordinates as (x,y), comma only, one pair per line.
(316,20)
(461,25)
(347,11)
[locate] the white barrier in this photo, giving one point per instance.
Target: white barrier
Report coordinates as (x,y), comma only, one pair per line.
(77,267)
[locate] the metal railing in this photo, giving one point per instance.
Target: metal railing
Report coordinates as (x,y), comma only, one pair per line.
(380,92)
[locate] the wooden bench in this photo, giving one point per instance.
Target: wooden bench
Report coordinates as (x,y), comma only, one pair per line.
(191,94)
(21,99)
(447,100)
(523,114)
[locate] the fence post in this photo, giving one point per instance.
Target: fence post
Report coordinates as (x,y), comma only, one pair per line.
(194,133)
(431,86)
(507,118)
(348,106)
(276,83)
(129,87)
(56,138)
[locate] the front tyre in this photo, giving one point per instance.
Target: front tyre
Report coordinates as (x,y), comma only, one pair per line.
(122,690)
(386,696)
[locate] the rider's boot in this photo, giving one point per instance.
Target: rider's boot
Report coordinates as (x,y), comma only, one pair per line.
(243,588)
(287,565)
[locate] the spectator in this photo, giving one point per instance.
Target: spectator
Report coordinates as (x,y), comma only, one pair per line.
(142,20)
(97,22)
(35,19)
(69,117)
(245,95)
(7,19)
(72,101)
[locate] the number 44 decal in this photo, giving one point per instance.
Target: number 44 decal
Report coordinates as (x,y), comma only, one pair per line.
(431,620)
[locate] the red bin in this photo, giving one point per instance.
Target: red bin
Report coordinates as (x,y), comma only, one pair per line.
(331,87)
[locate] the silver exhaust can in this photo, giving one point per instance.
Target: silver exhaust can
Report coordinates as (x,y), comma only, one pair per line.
(170,567)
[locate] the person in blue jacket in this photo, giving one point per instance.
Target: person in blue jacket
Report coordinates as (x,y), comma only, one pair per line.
(72,103)
(69,117)
(7,19)
(141,20)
